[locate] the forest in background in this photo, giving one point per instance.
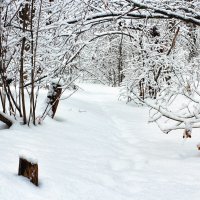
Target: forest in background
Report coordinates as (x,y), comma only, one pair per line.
(148,48)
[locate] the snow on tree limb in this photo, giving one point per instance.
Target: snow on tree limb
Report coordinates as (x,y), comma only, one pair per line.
(191,17)
(138,10)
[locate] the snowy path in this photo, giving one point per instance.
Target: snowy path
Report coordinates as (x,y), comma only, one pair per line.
(99,148)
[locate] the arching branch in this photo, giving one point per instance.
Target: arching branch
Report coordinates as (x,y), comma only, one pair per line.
(186,17)
(144,11)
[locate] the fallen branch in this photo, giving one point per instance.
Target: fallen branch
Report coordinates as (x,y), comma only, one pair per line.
(5,119)
(173,41)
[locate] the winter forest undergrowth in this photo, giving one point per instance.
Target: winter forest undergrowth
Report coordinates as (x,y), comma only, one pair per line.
(99,99)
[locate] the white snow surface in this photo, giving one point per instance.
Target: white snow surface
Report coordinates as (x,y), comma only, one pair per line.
(28,156)
(99,148)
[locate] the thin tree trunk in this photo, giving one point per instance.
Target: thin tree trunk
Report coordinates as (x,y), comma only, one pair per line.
(22,77)
(120,78)
(32,97)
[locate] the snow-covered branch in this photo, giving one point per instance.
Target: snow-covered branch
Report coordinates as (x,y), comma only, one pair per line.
(191,17)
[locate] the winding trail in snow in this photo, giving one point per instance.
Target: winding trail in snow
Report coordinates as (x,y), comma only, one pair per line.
(99,148)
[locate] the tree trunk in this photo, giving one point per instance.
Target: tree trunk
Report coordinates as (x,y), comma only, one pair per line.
(53,98)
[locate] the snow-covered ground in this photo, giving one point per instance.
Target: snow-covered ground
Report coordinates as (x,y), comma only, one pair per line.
(99,148)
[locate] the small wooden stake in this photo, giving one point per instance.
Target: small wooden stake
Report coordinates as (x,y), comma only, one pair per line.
(29,170)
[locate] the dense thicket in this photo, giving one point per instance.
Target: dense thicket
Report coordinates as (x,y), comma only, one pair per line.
(150,48)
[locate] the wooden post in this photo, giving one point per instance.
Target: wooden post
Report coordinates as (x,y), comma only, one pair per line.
(28,169)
